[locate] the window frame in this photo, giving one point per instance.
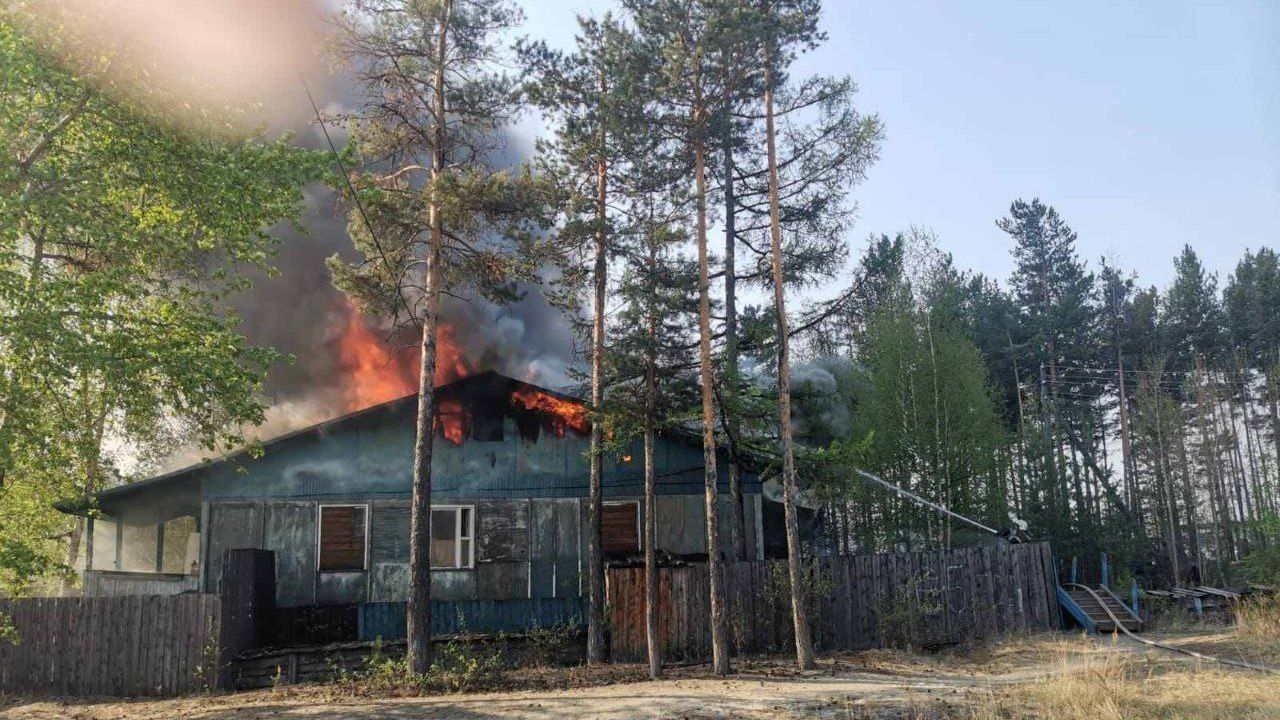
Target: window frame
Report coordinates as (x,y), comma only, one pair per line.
(320,508)
(469,562)
(639,519)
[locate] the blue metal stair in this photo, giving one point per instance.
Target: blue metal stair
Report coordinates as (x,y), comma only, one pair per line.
(1086,606)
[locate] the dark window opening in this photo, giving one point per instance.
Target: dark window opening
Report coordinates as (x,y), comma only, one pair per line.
(342,538)
(486,426)
(528,425)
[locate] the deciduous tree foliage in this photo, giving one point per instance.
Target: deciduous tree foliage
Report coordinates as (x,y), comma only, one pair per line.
(125,230)
(1133,420)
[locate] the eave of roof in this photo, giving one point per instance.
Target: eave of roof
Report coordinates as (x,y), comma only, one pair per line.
(81,507)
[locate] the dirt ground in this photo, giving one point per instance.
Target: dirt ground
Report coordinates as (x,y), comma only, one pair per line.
(873,684)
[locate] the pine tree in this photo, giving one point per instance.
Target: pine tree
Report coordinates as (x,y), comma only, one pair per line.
(429,213)
(1054,294)
(1191,315)
(696,38)
(775,47)
(653,330)
(595,96)
(1250,298)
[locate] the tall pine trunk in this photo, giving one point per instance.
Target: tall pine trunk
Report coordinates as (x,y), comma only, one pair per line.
(1128,464)
(737,541)
(418,620)
(595,558)
(799,605)
(1165,470)
(654,640)
(1273,403)
(715,560)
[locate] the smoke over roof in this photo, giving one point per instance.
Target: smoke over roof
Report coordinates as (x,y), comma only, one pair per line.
(299,311)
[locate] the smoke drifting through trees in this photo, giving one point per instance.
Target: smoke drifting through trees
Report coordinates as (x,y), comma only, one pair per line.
(298,311)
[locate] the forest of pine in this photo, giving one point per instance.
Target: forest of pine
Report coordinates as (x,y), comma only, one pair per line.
(1106,415)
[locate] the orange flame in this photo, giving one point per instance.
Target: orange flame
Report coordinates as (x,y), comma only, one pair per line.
(373,372)
(563,413)
(376,372)
(450,364)
(451,420)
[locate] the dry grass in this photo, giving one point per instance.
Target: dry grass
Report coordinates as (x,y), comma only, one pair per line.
(1088,679)
(1130,689)
(1259,618)
(1156,685)
(1255,637)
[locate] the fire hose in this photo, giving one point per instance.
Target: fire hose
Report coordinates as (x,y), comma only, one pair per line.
(1012,537)
(1009,535)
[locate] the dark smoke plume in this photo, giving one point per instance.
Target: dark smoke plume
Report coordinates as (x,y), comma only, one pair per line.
(300,312)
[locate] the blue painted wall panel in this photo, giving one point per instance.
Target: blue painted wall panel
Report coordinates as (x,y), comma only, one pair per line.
(386,620)
(373,460)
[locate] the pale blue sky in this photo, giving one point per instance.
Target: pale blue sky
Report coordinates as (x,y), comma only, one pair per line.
(1147,124)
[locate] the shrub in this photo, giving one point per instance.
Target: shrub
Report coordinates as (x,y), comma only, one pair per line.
(549,645)
(8,633)
(462,666)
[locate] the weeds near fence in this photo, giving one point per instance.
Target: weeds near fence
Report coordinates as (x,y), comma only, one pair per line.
(1259,618)
(903,619)
(460,666)
(549,645)
(457,666)
(8,633)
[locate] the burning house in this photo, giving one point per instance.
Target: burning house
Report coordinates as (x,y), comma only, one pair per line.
(510,485)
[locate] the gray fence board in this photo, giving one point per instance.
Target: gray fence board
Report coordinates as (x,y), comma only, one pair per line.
(119,646)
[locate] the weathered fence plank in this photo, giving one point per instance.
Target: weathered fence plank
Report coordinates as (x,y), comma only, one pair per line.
(121,646)
(857,602)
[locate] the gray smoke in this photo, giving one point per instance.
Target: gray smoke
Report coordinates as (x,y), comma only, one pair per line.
(300,312)
(823,393)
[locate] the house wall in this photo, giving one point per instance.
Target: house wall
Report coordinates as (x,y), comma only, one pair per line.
(525,548)
(372,458)
(529,495)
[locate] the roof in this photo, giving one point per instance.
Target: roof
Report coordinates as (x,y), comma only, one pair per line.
(488,382)
(484,383)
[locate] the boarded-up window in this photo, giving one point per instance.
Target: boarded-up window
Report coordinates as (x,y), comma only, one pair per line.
(342,537)
(620,528)
(451,537)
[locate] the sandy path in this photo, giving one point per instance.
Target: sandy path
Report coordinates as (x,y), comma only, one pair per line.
(745,695)
(740,697)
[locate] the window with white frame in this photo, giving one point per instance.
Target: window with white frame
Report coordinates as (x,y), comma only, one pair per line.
(452,536)
(342,545)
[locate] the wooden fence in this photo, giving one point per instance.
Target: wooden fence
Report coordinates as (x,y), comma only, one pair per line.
(921,599)
(119,646)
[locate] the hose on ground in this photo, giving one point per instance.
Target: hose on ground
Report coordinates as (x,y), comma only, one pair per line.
(1201,656)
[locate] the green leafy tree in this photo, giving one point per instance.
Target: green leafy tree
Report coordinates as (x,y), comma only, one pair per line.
(926,412)
(125,232)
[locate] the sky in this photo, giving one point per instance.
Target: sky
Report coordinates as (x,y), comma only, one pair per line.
(1148,124)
